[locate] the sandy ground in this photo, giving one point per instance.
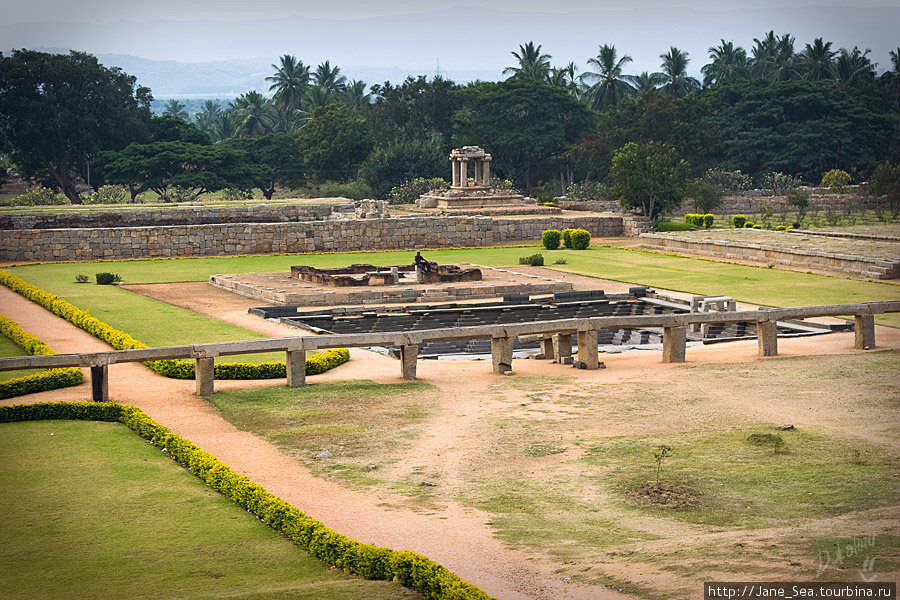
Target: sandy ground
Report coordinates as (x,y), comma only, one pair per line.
(456,536)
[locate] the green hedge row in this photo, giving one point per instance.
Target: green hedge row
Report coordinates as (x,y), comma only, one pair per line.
(366,560)
(38,382)
(700,221)
(176,369)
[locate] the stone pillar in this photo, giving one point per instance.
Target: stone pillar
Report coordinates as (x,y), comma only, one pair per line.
(486,165)
(454,172)
(296,367)
(204,375)
(674,343)
(100,383)
(562,348)
(501,354)
(547,347)
(767,337)
(463,173)
(587,349)
(395,275)
(477,168)
(864,332)
(409,353)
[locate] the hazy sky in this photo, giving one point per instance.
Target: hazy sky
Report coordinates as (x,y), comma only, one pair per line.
(104,11)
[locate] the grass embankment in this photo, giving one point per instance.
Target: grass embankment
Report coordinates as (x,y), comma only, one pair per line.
(93,511)
(147,319)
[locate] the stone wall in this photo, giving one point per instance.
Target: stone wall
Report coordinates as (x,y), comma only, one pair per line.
(131,217)
(305,236)
(750,203)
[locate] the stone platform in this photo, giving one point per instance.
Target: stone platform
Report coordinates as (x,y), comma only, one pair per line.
(282,289)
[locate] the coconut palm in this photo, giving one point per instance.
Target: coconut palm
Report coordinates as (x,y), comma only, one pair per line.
(674,67)
(564,77)
(207,116)
(532,64)
(895,60)
(355,95)
(817,60)
(223,128)
(611,85)
(786,65)
(254,114)
(289,83)
(729,62)
(854,65)
(774,58)
(329,78)
(645,82)
(176,109)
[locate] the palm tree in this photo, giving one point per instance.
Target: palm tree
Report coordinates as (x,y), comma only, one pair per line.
(176,109)
(728,63)
(254,114)
(330,79)
(564,77)
(611,85)
(764,53)
(895,60)
(853,66)
(223,128)
(674,67)
(318,96)
(774,58)
(206,117)
(289,83)
(645,82)
(355,95)
(818,60)
(786,62)
(532,64)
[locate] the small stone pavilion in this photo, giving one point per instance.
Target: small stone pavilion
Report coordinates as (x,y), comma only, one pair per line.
(465,192)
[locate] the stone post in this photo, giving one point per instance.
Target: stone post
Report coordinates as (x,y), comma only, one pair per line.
(395,275)
(486,165)
(205,375)
(547,347)
(296,367)
(477,168)
(502,354)
(587,349)
(864,332)
(463,173)
(674,343)
(409,353)
(454,172)
(767,337)
(100,383)
(562,348)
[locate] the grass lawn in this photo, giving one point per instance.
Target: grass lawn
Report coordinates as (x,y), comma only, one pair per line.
(93,511)
(7,349)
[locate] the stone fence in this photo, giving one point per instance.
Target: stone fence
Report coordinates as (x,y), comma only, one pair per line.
(750,204)
(221,239)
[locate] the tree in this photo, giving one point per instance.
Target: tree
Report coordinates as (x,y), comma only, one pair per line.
(169,128)
(645,82)
(254,114)
(329,78)
(528,125)
(564,77)
(533,65)
(728,62)
(335,142)
(207,116)
(399,162)
(611,85)
(674,67)
(854,66)
(290,82)
(651,177)
(166,166)
(56,110)
(818,60)
(417,109)
(774,58)
(356,97)
(274,160)
(176,108)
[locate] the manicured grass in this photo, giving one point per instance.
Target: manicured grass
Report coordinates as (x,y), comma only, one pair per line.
(7,349)
(92,511)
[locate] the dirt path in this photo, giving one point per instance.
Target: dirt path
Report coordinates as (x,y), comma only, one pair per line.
(458,537)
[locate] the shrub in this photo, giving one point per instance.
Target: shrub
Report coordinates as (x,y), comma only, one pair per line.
(749,225)
(581,239)
(503,184)
(738,221)
(37,382)
(567,237)
(798,198)
(390,166)
(560,261)
(704,196)
(779,183)
(883,178)
(109,194)
(82,279)
(729,182)
(107,278)
(39,197)
(236,195)
(588,191)
(781,228)
(691,219)
(836,181)
(535,260)
(409,192)
(700,221)
(757,226)
(550,239)
(708,220)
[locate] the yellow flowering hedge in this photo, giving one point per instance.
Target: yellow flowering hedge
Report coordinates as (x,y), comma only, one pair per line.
(176,369)
(38,382)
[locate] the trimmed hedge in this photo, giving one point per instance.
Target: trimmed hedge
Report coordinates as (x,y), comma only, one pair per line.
(700,221)
(175,369)
(366,560)
(550,239)
(580,239)
(38,382)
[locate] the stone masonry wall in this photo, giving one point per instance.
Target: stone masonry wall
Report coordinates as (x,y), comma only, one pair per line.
(305,236)
(750,204)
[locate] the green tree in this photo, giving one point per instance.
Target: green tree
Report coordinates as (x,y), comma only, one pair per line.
(329,78)
(817,60)
(169,128)
(274,160)
(335,142)
(532,66)
(728,62)
(356,97)
(416,109)
(774,58)
(611,84)
(176,108)
(674,67)
(254,114)
(645,82)
(528,125)
(854,66)
(290,83)
(399,162)
(651,177)
(207,116)
(57,110)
